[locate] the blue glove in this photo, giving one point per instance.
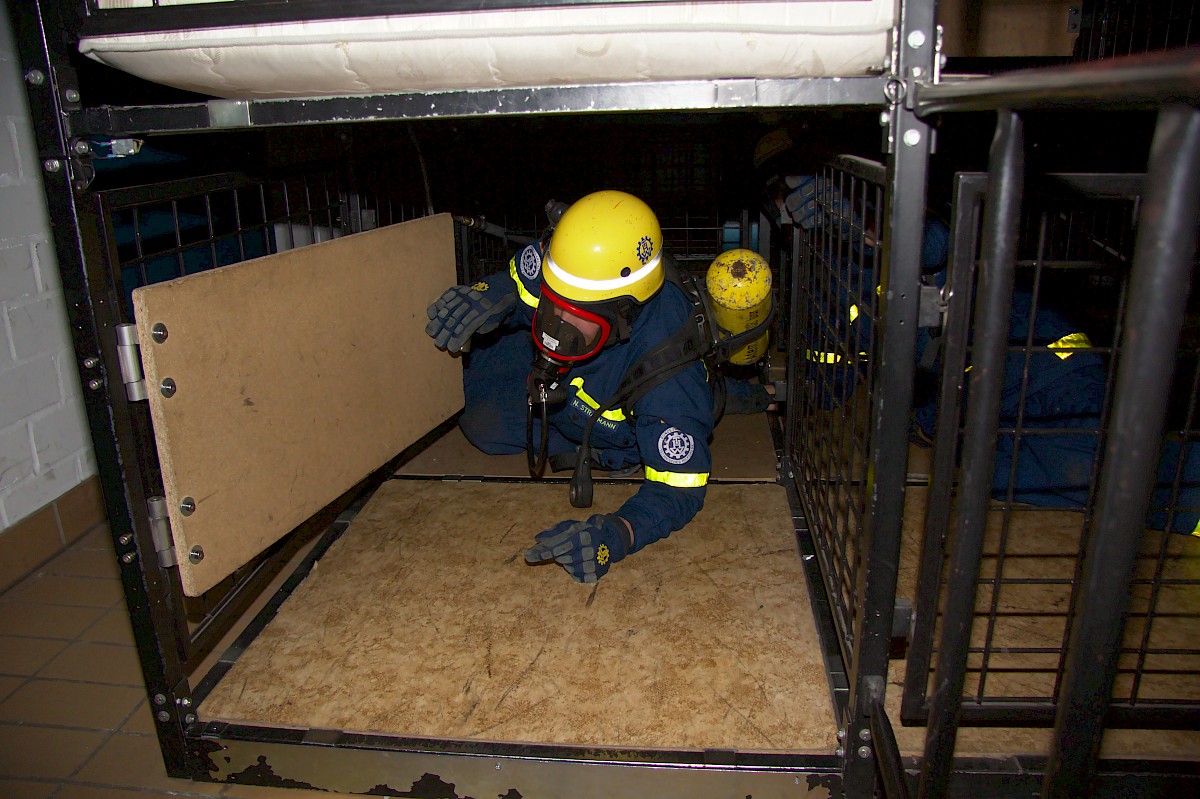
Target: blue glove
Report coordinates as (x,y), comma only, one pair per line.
(585,549)
(463,311)
(810,199)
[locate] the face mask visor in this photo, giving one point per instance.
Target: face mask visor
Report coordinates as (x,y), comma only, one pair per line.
(566,332)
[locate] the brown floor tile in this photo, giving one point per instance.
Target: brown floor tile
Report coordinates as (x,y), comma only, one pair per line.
(46,621)
(44,752)
(56,589)
(66,704)
(23,789)
(141,722)
(254,792)
(8,685)
(84,563)
(112,628)
(135,761)
(27,544)
(88,662)
(24,657)
(80,509)
(97,538)
(70,791)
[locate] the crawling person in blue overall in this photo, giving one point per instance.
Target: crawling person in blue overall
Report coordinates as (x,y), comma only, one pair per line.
(595,297)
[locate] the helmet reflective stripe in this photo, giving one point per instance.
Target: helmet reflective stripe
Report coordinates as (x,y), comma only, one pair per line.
(677,479)
(602,285)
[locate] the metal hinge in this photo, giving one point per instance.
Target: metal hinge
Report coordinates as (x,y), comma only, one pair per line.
(931,307)
(130,360)
(160,531)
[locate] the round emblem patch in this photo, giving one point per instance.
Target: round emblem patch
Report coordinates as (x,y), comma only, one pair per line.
(644,248)
(531,263)
(675,446)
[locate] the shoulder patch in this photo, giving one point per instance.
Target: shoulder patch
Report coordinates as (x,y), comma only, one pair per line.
(531,262)
(676,446)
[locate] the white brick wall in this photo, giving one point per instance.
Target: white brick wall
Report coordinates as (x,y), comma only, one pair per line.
(45,450)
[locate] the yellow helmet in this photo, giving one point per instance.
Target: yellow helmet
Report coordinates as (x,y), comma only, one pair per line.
(607,245)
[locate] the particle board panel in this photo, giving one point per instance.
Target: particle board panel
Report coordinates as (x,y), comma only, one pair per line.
(424,620)
(295,376)
(742,450)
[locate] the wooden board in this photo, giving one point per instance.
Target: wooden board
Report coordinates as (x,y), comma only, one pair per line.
(424,619)
(296,375)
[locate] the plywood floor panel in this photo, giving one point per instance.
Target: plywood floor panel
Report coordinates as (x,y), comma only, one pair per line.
(423,619)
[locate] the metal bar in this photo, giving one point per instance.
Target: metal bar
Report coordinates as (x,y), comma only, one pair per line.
(1002,216)
(1128,82)
(1162,267)
(887,753)
(656,96)
(893,346)
(956,334)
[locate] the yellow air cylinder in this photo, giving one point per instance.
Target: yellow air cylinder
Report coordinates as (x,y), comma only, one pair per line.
(739,285)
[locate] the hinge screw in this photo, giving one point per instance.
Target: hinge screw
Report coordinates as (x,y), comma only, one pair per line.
(167,387)
(160,699)
(864,734)
(71,95)
(95,383)
(82,148)
(125,539)
(158,332)
(52,165)
(841,735)
(864,751)
(35,77)
(188,506)
(190,718)
(91,363)
(164,716)
(197,554)
(129,557)
(839,752)
(185,701)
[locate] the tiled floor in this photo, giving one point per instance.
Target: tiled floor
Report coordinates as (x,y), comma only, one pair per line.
(74,722)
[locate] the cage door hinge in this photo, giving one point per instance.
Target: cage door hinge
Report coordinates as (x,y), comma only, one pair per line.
(130,359)
(160,531)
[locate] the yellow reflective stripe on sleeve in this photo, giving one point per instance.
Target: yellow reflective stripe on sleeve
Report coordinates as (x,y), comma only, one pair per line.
(616,415)
(1071,341)
(853,313)
(677,479)
(824,357)
(522,292)
(1196,531)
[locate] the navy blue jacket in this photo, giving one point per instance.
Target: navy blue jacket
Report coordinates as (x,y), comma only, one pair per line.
(670,426)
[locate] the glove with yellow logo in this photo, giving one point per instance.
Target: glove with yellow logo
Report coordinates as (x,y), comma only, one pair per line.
(585,549)
(463,311)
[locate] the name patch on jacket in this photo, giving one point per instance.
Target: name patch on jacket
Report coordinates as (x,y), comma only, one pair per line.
(676,446)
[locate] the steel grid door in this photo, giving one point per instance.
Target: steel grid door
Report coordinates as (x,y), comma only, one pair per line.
(835,322)
(1068,313)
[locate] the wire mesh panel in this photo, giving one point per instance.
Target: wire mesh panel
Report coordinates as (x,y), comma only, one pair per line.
(1065,335)
(1111,28)
(835,315)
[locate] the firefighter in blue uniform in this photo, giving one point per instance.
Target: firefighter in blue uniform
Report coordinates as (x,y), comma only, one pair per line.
(595,297)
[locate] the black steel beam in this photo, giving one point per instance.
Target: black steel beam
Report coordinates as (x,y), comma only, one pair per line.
(657,96)
(1002,216)
(1160,285)
(1141,81)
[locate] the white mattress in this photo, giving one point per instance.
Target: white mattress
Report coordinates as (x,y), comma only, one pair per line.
(579,45)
